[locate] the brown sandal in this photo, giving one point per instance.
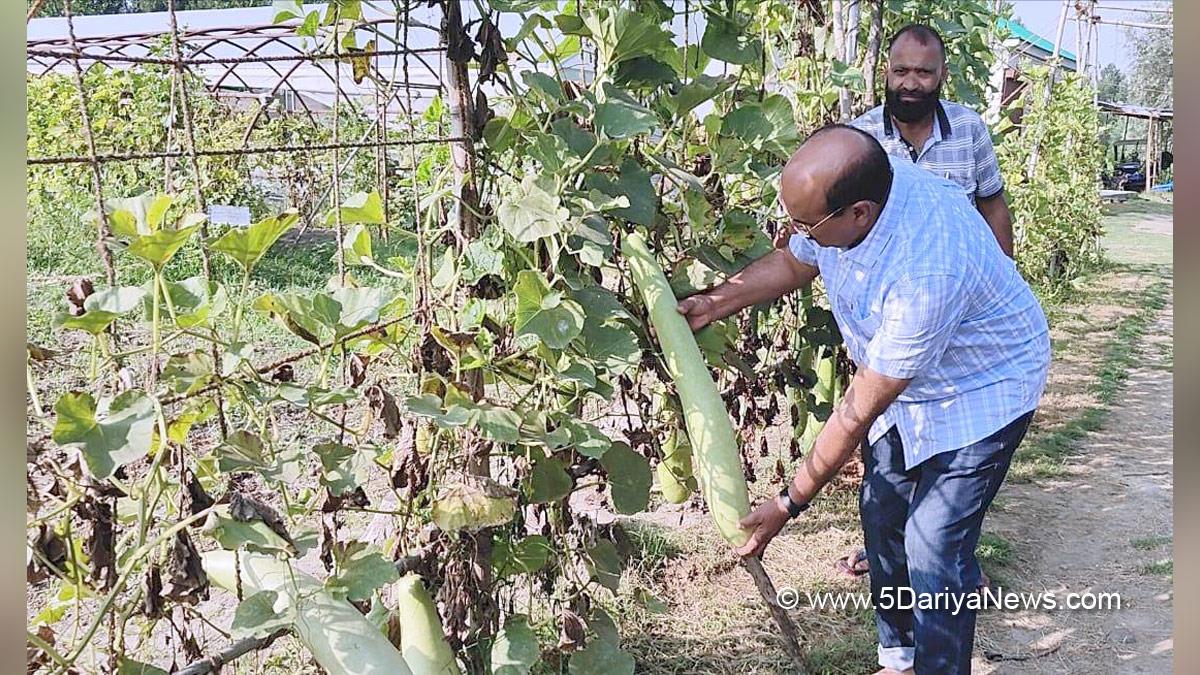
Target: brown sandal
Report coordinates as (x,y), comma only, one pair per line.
(855,569)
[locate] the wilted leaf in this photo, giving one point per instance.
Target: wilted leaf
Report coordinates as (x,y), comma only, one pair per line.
(473,504)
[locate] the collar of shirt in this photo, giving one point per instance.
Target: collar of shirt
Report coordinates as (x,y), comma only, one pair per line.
(868,251)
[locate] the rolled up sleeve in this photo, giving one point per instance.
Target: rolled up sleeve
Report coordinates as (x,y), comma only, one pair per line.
(920,318)
(804,249)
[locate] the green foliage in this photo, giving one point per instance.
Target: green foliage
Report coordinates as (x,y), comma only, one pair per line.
(1057,210)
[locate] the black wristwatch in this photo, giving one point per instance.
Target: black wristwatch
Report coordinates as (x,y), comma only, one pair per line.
(793,508)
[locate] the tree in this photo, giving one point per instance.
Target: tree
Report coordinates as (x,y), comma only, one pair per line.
(1112,85)
(1152,76)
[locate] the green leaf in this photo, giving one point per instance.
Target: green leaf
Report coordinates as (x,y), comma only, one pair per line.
(360,572)
(604,627)
(522,557)
(472,504)
(633,182)
(515,650)
(549,481)
(189,371)
(429,405)
(644,72)
(725,39)
(605,564)
(285,10)
(128,666)
(159,247)
(544,313)
(345,310)
(601,657)
(356,245)
(499,424)
(621,34)
(240,451)
(587,438)
(262,614)
(111,434)
(102,308)
(699,90)
(620,116)
(581,141)
(542,83)
(248,245)
(768,126)
(137,216)
(532,209)
(195,300)
(255,535)
(342,468)
(612,346)
(360,207)
(630,477)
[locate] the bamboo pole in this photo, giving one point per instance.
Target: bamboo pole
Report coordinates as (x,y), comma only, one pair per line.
(1058,35)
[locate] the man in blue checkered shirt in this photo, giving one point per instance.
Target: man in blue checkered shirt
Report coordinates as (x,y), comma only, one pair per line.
(952,351)
(945,138)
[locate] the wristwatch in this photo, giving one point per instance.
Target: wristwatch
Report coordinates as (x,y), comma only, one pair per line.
(793,508)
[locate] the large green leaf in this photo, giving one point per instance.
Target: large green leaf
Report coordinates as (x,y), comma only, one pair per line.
(768,125)
(621,34)
(630,477)
(262,614)
(248,245)
(532,209)
(523,556)
(140,215)
(515,650)
(601,657)
(699,90)
(620,116)
(345,310)
(102,308)
(343,468)
(613,346)
(360,207)
(605,564)
(188,371)
(110,435)
(254,535)
(360,572)
(195,300)
(633,182)
(586,438)
(356,245)
(544,312)
(725,39)
(159,247)
(581,142)
(548,482)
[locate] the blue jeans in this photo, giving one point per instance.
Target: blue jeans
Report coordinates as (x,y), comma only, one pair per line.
(921,527)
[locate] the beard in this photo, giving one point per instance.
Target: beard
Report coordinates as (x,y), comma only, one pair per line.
(912,111)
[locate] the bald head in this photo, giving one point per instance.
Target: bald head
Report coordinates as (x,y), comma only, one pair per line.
(836,166)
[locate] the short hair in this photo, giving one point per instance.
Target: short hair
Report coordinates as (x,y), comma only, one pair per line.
(922,34)
(867,176)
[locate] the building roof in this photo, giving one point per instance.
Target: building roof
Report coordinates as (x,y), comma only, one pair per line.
(1131,110)
(1042,45)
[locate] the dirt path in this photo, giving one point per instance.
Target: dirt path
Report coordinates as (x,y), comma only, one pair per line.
(1103,526)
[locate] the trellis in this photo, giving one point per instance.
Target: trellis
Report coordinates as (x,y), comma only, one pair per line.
(414,76)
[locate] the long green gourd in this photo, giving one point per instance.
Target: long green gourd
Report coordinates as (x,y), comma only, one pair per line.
(339,637)
(422,640)
(715,455)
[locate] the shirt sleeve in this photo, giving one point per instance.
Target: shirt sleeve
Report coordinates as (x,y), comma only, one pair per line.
(920,317)
(804,249)
(988,181)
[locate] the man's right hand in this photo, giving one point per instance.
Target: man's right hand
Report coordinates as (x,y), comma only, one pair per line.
(699,310)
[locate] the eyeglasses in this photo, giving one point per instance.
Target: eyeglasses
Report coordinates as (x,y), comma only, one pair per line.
(807,229)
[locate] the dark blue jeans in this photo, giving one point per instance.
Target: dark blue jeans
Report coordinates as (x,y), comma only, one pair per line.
(921,527)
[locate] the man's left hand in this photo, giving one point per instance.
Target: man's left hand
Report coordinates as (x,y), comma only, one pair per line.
(764,523)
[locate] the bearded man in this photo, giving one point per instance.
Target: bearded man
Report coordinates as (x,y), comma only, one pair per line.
(946,139)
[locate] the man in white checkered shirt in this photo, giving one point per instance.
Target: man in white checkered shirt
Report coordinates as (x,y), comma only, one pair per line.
(945,138)
(952,351)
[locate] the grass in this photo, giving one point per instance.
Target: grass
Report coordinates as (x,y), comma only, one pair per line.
(995,555)
(1149,543)
(1162,568)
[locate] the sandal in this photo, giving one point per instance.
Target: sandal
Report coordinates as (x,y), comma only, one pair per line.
(855,569)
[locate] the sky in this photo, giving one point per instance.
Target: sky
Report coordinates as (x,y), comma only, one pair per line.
(1041,17)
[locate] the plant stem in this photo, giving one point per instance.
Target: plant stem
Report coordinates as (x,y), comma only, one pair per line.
(237,312)
(31,385)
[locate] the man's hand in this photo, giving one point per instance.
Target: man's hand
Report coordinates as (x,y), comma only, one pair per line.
(699,310)
(764,523)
